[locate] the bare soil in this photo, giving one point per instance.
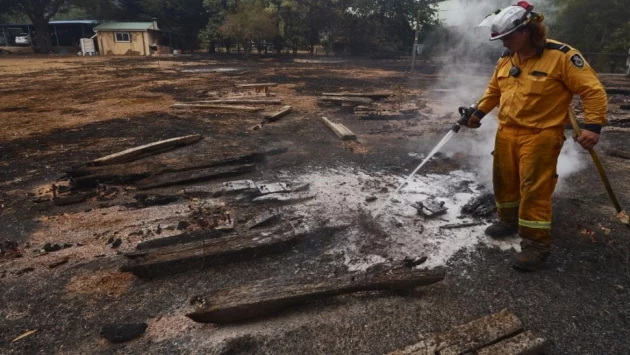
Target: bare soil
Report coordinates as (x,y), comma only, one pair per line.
(58,112)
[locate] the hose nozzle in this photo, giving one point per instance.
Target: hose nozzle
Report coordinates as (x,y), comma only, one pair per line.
(465,113)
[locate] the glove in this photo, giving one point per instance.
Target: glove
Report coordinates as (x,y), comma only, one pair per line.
(474,122)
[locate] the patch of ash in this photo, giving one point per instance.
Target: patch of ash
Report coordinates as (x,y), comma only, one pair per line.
(351,196)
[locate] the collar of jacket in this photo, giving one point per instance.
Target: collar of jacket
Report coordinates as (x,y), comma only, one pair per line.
(539,52)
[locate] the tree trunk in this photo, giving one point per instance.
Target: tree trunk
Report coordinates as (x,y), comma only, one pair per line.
(42,39)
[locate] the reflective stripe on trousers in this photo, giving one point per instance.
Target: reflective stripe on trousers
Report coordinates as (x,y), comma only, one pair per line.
(524,177)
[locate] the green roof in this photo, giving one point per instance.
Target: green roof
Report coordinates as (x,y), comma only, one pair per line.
(125,26)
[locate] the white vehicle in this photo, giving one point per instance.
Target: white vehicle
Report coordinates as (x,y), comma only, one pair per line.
(23,38)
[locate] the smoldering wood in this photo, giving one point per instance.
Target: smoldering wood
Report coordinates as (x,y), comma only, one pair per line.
(205,253)
(88,177)
(266,297)
(194,176)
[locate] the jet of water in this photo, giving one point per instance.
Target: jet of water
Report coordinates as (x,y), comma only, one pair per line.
(437,148)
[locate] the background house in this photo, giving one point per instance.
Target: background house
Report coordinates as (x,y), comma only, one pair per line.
(128,38)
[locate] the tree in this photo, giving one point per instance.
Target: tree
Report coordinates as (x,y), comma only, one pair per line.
(250,23)
(319,18)
(598,29)
(39,12)
(216,12)
(589,25)
(387,24)
(185,17)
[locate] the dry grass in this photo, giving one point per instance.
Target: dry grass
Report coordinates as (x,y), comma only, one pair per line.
(103,283)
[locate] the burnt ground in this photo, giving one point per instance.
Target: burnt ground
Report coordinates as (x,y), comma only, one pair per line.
(60,112)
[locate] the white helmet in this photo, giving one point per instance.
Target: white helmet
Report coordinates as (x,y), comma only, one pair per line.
(509,20)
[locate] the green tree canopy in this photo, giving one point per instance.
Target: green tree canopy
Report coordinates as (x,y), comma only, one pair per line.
(251,22)
(592,26)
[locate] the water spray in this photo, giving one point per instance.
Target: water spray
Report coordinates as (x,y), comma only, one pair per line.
(465,114)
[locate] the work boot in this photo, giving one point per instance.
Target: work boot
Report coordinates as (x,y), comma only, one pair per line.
(501,230)
(530,259)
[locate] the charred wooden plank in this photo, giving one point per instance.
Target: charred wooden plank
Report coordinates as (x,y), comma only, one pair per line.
(91,181)
(270,296)
(139,170)
(284,197)
(73,198)
(133,153)
(243,101)
(525,343)
(183,238)
(263,219)
(469,337)
(197,255)
(373,96)
(194,176)
(193,105)
(618,153)
(386,117)
(340,130)
(257,85)
(88,177)
(345,100)
(272,117)
(217,96)
(460,225)
(227,188)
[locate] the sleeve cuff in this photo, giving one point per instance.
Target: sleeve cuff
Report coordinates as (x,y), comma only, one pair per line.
(479,114)
(596,128)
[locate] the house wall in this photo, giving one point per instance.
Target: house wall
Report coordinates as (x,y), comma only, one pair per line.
(153,37)
(138,45)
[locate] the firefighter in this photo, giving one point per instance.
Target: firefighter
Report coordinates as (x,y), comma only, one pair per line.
(533,85)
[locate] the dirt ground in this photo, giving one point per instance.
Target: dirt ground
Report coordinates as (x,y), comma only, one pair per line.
(59,112)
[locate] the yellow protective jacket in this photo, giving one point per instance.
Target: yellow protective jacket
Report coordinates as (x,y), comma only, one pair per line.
(540,95)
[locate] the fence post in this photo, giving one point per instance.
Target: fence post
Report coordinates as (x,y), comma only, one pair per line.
(415,42)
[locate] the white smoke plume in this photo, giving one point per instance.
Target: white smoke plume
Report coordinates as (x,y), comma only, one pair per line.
(465,71)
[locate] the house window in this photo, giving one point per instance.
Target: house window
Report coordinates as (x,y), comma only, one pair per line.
(122,36)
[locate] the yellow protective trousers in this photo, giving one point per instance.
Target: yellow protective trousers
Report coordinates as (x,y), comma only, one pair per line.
(524,177)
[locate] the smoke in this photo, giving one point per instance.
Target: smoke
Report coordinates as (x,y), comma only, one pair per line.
(466,66)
